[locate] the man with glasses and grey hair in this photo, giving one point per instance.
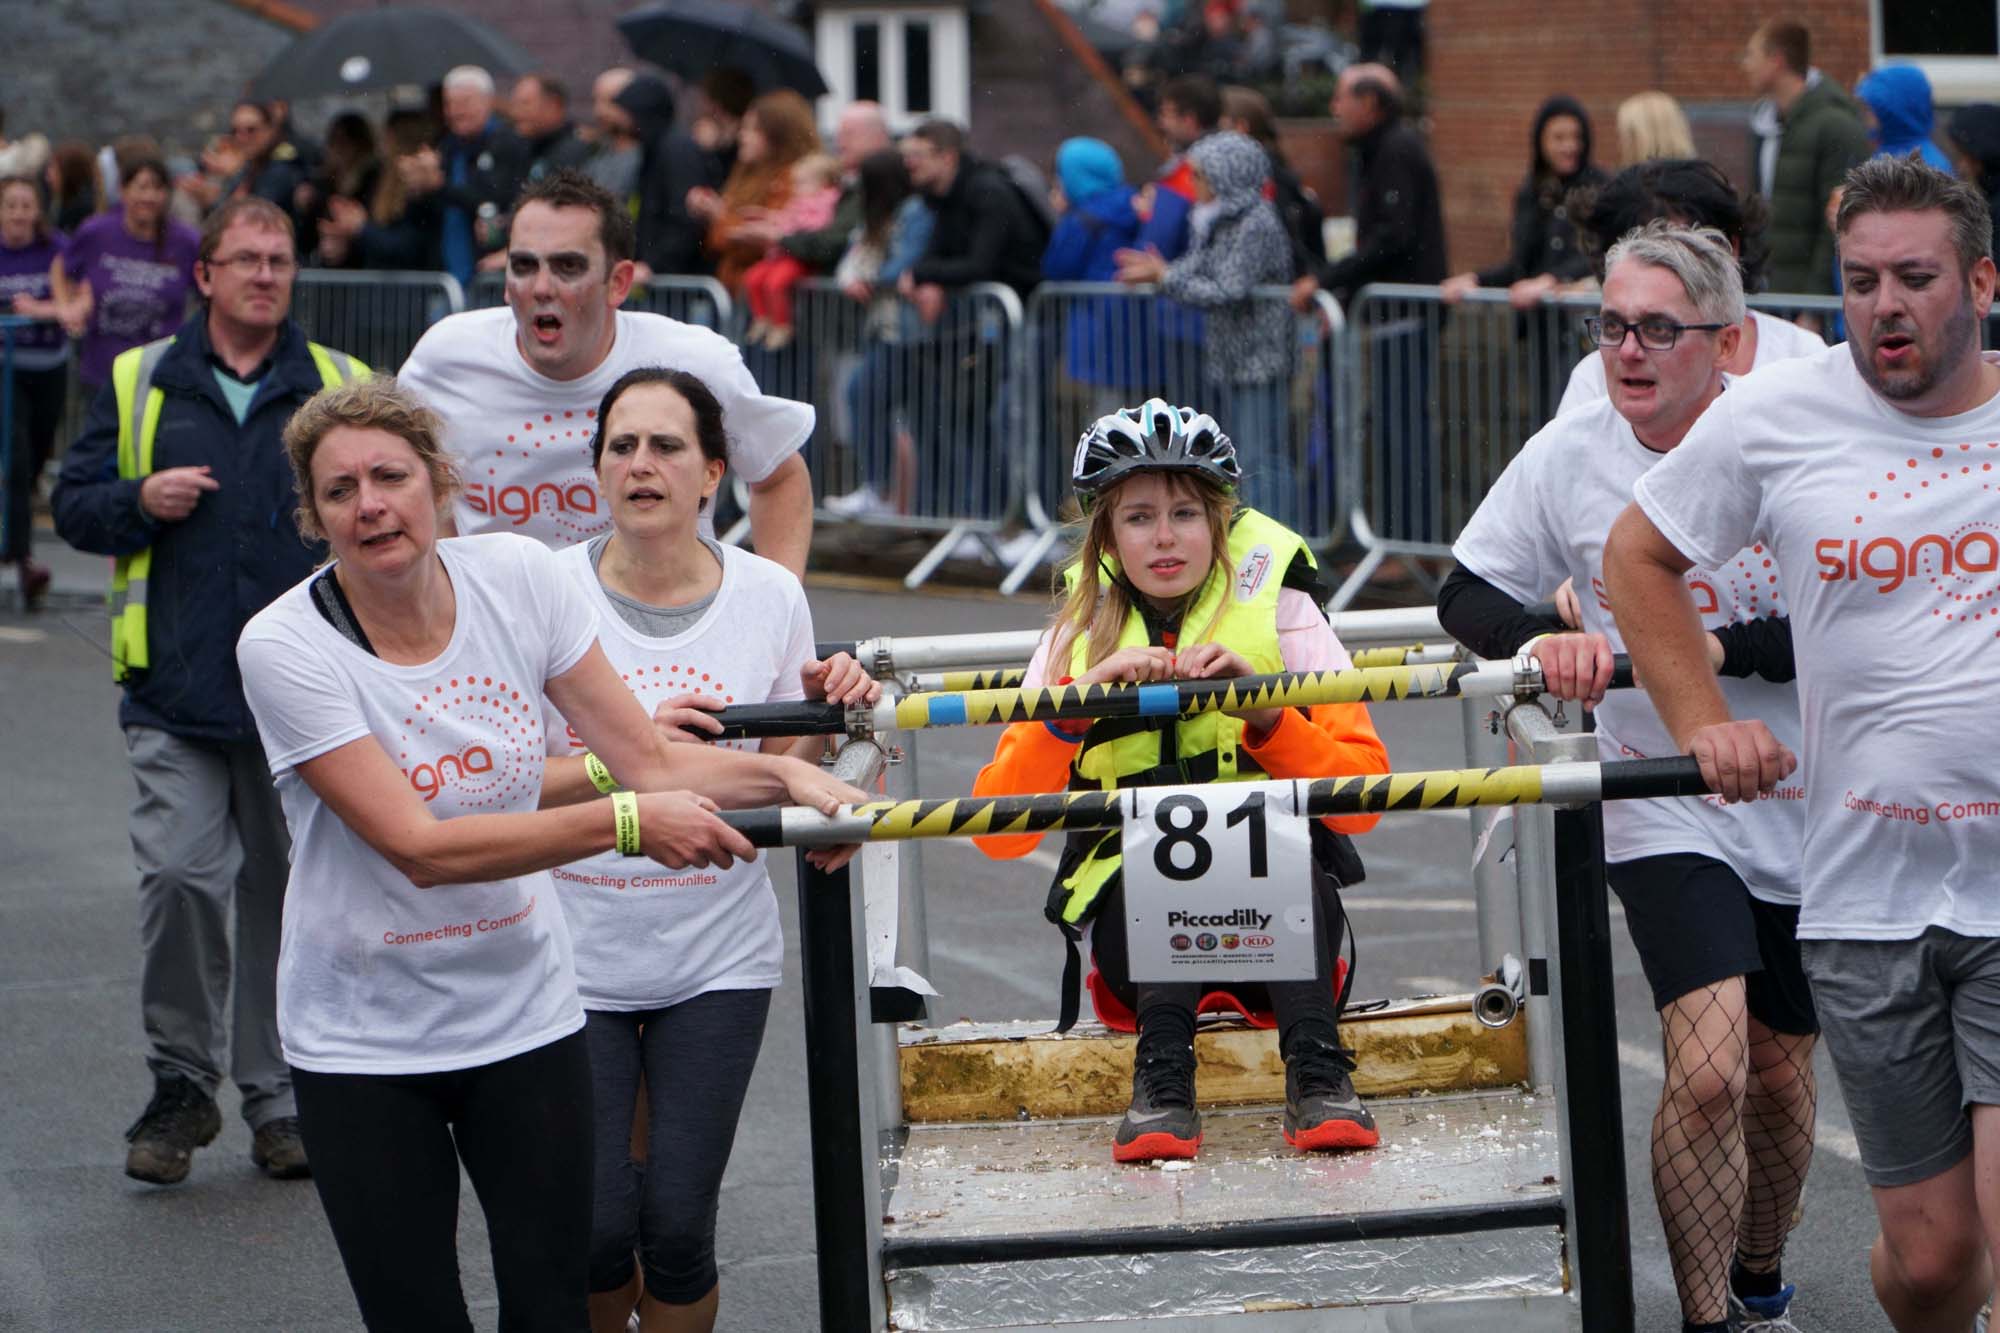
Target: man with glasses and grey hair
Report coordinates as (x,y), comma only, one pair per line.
(1869,471)
(1710,890)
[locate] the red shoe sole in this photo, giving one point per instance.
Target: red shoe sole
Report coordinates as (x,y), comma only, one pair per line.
(1156,1148)
(1334,1135)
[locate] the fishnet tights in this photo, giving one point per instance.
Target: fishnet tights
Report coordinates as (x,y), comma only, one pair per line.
(1731,1142)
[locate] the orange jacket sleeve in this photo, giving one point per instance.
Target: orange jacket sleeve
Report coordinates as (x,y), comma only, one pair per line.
(1329,740)
(1029,758)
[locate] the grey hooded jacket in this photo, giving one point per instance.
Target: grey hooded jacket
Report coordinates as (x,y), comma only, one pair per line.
(1242,245)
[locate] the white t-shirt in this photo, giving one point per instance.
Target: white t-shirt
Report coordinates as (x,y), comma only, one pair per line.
(375,975)
(1545,520)
(1777,340)
(523,439)
(1887,531)
(648,937)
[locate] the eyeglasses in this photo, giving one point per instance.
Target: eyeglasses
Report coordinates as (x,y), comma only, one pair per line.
(1656,333)
(248,265)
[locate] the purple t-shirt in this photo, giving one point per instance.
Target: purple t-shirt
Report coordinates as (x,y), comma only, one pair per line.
(139,289)
(25,272)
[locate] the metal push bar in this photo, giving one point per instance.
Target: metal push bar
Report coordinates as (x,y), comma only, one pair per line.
(1183,698)
(1563,784)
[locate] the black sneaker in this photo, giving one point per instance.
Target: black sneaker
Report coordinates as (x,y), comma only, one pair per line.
(1161,1123)
(277,1148)
(1322,1110)
(180,1118)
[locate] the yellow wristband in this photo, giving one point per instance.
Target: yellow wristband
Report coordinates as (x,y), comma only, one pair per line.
(625,819)
(600,776)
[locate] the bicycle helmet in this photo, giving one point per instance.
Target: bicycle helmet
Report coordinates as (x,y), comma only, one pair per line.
(1153,437)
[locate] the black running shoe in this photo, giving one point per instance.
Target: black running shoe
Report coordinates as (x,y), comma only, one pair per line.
(180,1118)
(1161,1123)
(1322,1110)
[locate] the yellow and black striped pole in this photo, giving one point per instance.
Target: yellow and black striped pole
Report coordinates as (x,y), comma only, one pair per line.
(1161,699)
(1450,789)
(1008,677)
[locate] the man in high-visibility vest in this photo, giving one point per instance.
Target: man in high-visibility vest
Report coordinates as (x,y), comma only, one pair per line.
(181,476)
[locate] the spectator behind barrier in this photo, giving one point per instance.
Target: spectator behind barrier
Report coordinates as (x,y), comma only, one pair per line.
(1190,107)
(769,282)
(1819,136)
(895,231)
(615,146)
(1239,244)
(1543,256)
(1652,124)
(467,183)
(775,133)
(861,131)
(382,230)
(1095,220)
(539,110)
(350,168)
(985,231)
(1248,111)
(1898,99)
(671,167)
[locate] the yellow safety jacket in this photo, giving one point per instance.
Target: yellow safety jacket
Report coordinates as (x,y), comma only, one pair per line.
(139,405)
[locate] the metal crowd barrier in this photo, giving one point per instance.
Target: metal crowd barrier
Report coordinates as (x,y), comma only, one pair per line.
(884,1262)
(1095,347)
(377,316)
(918,426)
(690,299)
(1441,397)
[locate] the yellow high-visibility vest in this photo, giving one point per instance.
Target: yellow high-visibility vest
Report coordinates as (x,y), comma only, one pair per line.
(139,405)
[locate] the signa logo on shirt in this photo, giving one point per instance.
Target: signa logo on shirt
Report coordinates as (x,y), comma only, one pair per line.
(1949,564)
(518,504)
(430,779)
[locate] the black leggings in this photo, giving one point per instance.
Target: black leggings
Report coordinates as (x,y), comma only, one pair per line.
(697,1057)
(1298,1006)
(38,409)
(385,1150)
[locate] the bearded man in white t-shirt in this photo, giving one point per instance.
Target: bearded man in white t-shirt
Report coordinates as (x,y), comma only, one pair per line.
(1870,472)
(1710,891)
(518,387)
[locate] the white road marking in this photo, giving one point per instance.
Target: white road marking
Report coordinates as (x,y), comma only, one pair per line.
(1356,903)
(12,634)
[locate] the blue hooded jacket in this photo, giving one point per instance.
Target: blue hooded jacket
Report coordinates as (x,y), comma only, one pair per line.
(1900,97)
(1099,221)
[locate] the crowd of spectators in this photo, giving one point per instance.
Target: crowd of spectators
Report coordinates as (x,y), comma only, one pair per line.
(727,182)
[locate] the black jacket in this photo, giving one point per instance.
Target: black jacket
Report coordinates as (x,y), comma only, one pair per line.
(1398,215)
(552,152)
(984,233)
(1541,239)
(496,166)
(222,564)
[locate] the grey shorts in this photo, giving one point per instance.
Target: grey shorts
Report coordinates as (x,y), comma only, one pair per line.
(1914,1030)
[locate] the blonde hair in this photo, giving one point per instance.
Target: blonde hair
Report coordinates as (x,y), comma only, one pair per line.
(821,168)
(1652,125)
(1096,610)
(376,403)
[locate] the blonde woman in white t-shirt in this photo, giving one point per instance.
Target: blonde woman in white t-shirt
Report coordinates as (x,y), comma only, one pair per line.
(676,971)
(426,996)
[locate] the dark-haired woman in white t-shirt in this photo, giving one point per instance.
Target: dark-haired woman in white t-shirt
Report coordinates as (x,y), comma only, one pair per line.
(676,971)
(426,996)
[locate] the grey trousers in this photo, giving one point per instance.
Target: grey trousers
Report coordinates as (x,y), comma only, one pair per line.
(209,837)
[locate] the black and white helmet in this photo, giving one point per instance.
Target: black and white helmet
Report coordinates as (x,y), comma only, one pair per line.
(1153,437)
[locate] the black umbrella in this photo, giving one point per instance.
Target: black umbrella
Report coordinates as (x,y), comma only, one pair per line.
(385,48)
(691,37)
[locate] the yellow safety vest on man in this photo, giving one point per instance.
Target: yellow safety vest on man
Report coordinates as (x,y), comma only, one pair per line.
(139,405)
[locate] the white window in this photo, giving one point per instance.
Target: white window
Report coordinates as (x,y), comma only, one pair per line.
(1957,45)
(915,60)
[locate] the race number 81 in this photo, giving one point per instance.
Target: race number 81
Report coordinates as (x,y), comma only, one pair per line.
(1181,820)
